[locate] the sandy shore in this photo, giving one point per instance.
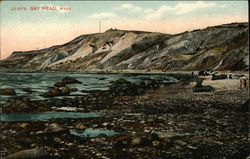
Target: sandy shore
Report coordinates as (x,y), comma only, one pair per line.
(130,71)
(224,84)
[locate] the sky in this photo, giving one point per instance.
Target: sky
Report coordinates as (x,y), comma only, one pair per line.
(32,25)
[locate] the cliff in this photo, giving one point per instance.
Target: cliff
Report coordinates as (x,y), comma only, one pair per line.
(223,47)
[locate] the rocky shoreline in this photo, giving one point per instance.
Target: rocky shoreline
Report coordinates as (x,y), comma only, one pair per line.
(152,120)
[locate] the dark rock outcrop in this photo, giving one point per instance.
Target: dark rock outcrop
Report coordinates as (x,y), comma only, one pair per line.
(28,90)
(218,77)
(23,104)
(53,92)
(55,129)
(62,91)
(200,88)
(122,87)
(70,80)
(7,91)
(59,84)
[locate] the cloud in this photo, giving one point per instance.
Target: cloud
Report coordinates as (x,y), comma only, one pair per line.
(180,8)
(148,10)
(159,13)
(103,15)
(223,6)
(130,7)
(126,6)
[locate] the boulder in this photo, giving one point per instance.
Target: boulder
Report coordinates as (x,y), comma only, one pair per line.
(24,105)
(59,84)
(20,104)
(136,141)
(102,78)
(70,80)
(199,82)
(80,126)
(73,89)
(65,91)
(55,128)
(218,77)
(143,85)
(28,90)
(57,92)
(7,91)
(53,92)
(34,153)
(122,87)
(152,84)
(24,125)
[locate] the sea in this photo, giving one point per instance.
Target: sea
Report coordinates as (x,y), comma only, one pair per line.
(40,83)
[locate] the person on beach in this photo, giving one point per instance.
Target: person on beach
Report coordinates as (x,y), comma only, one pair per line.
(243,83)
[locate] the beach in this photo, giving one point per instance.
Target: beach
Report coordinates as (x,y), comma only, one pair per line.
(165,121)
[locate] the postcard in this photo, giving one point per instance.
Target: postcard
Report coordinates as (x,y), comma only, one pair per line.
(124,79)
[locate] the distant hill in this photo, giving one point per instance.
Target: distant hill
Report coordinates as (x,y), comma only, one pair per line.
(223,47)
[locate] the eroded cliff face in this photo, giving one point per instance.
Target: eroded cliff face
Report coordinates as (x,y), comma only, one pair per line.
(223,47)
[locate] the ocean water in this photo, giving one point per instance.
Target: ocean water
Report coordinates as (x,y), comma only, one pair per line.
(90,132)
(42,82)
(23,117)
